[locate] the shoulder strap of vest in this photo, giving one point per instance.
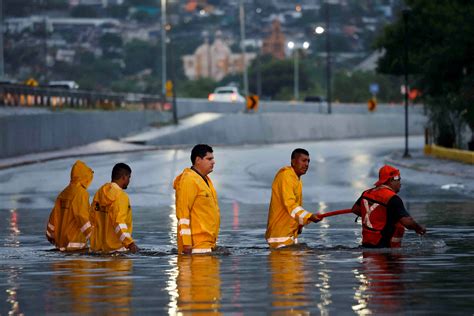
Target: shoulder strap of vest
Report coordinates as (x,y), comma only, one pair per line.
(369,192)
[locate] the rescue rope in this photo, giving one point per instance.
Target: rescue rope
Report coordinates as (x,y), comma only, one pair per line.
(333,213)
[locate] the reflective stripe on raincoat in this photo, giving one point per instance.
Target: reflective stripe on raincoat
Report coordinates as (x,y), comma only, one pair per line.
(111,216)
(197,211)
(286,216)
(68,226)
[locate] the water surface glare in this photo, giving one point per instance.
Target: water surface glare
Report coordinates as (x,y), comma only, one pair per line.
(327,274)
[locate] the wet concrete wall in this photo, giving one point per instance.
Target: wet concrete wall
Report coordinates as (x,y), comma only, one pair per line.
(24,134)
(241,128)
(187,107)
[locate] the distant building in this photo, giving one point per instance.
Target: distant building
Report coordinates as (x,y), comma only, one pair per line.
(275,43)
(214,61)
(65,55)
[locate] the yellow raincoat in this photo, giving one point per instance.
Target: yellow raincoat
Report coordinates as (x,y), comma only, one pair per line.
(286,216)
(111,216)
(197,211)
(68,226)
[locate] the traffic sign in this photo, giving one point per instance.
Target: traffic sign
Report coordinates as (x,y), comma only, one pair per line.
(252,102)
(374,88)
(169,88)
(372,104)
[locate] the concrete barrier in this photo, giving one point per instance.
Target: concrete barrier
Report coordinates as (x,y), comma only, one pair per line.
(275,122)
(450,153)
(187,107)
(24,134)
(263,128)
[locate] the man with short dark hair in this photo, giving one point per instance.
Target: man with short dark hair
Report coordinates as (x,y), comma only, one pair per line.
(111,214)
(286,215)
(384,217)
(197,209)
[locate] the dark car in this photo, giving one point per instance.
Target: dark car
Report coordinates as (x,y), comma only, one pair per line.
(313,98)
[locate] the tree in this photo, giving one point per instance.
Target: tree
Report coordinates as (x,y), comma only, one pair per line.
(84,11)
(441,60)
(140,55)
(278,77)
(196,88)
(354,86)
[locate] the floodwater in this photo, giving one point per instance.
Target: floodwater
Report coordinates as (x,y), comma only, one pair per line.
(329,275)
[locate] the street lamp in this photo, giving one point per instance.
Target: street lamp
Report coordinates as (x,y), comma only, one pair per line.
(242,44)
(163,49)
(319,30)
(406,12)
(2,65)
(294,47)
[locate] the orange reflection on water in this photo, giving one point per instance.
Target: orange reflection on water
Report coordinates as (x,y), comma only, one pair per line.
(199,284)
(235,208)
(288,282)
(380,286)
(86,286)
(12,239)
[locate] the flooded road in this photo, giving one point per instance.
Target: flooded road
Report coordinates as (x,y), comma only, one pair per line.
(331,275)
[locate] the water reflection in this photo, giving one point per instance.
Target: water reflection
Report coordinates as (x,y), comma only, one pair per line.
(199,284)
(85,286)
(381,287)
(288,280)
(14,230)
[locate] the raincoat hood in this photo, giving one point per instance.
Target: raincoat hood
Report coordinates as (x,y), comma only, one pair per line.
(177,181)
(108,193)
(82,174)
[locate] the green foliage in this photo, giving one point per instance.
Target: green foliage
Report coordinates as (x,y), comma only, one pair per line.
(143,2)
(354,86)
(118,11)
(441,58)
(142,16)
(110,40)
(278,77)
(56,4)
(196,89)
(17,7)
(140,55)
(83,11)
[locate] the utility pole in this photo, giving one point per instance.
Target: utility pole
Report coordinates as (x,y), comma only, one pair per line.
(2,62)
(242,44)
(163,49)
(406,12)
(328,57)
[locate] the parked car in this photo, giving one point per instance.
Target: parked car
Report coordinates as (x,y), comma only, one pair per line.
(314,98)
(226,94)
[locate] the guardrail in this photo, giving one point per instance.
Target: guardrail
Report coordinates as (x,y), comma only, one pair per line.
(19,95)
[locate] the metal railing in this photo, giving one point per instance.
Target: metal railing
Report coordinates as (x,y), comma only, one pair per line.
(56,98)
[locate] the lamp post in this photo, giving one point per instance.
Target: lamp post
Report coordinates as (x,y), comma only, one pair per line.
(406,12)
(294,47)
(2,65)
(242,44)
(328,57)
(163,48)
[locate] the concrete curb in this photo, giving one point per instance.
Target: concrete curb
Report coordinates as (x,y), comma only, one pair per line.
(429,164)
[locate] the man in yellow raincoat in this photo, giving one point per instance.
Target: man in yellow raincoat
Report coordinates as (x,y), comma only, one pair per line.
(197,209)
(286,215)
(68,226)
(111,214)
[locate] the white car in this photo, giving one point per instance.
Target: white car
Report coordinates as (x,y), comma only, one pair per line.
(226,94)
